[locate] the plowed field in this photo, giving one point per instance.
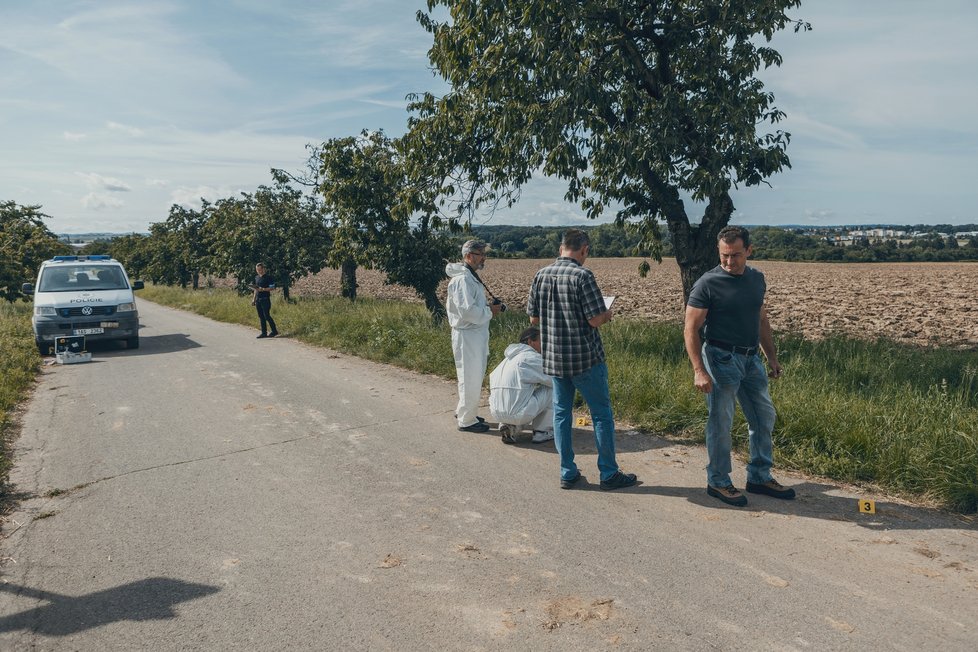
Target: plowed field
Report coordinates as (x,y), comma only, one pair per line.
(922,303)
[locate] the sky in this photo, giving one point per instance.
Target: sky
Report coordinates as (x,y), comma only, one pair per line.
(111,111)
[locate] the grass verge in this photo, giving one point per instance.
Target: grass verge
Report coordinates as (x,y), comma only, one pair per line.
(19,362)
(900,417)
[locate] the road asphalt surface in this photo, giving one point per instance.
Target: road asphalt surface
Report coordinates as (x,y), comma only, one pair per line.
(210,491)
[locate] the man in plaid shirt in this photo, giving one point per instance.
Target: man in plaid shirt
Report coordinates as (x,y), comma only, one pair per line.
(568,306)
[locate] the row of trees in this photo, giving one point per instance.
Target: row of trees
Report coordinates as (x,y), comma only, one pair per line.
(354,206)
(779,244)
(607,240)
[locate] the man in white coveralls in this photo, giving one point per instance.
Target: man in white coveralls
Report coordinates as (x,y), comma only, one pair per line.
(520,393)
(469,313)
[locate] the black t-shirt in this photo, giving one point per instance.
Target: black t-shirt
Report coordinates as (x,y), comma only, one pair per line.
(734,305)
(264,281)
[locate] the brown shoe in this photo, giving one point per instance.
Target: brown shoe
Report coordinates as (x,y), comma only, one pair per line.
(772,488)
(729,495)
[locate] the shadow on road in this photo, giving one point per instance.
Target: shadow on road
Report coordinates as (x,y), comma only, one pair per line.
(815,501)
(626,441)
(148,345)
(149,599)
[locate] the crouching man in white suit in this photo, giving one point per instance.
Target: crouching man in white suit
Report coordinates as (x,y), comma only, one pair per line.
(520,394)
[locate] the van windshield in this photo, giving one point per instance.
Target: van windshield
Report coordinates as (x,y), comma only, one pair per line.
(71,278)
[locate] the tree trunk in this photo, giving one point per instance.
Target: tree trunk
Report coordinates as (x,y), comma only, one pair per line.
(434,305)
(196,280)
(285,292)
(696,246)
(348,279)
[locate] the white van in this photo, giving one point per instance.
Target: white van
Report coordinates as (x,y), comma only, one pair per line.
(84,295)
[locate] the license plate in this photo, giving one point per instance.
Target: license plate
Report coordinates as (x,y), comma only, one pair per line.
(88,331)
(109,324)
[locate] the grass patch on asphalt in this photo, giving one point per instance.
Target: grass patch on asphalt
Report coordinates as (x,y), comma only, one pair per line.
(900,417)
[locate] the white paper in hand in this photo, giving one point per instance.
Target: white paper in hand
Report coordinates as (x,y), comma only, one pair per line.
(608,301)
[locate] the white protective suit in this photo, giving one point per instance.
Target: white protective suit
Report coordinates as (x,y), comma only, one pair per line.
(519,392)
(469,315)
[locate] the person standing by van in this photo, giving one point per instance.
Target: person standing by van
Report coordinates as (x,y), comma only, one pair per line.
(262,301)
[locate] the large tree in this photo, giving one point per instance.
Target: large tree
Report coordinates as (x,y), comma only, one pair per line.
(177,249)
(25,242)
(635,103)
(380,214)
(278,225)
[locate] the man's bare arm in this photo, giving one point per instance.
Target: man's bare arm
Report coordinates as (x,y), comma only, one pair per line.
(600,319)
(767,345)
(695,318)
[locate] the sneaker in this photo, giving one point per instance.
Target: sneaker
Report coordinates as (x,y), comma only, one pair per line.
(258,337)
(540,436)
(273,334)
(571,484)
(508,433)
(478,426)
(729,495)
(771,488)
(619,481)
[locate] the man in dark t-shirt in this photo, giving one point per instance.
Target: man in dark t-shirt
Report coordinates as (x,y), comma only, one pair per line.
(726,327)
(262,301)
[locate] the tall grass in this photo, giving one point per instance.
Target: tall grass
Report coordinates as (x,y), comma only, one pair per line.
(19,361)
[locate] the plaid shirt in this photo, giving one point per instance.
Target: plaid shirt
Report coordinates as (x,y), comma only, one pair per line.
(565,296)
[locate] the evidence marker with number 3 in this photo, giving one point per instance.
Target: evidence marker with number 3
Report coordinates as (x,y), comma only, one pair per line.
(866,506)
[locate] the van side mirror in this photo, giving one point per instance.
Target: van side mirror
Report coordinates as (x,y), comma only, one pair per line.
(27,288)
(137,285)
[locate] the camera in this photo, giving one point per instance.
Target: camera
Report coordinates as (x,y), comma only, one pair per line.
(498,302)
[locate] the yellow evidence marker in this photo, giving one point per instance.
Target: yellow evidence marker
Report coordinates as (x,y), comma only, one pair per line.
(867,506)
(583,421)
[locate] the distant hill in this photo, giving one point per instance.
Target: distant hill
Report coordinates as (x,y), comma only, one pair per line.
(88,237)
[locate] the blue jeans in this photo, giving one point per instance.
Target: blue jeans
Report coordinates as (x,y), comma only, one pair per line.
(593,385)
(737,377)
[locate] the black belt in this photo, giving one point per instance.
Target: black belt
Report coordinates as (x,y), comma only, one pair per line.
(744,350)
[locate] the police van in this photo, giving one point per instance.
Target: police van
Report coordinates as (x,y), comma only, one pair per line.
(84,295)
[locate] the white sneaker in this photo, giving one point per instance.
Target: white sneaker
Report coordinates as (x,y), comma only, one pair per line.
(540,436)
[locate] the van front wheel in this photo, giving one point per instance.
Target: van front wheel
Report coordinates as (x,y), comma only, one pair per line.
(132,342)
(44,348)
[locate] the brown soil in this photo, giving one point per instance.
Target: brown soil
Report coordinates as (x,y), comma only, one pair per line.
(921,303)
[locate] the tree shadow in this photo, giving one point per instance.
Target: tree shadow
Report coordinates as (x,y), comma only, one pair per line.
(149,599)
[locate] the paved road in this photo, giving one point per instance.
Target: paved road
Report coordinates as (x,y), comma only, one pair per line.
(210,491)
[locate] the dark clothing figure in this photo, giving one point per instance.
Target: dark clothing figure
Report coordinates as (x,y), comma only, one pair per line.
(263,304)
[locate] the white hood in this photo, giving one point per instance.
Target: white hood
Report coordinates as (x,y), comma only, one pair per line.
(454,269)
(514,350)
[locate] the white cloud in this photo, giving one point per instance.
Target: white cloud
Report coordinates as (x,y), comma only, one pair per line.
(126,129)
(97,201)
(190,197)
(104,183)
(73,136)
(157,183)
